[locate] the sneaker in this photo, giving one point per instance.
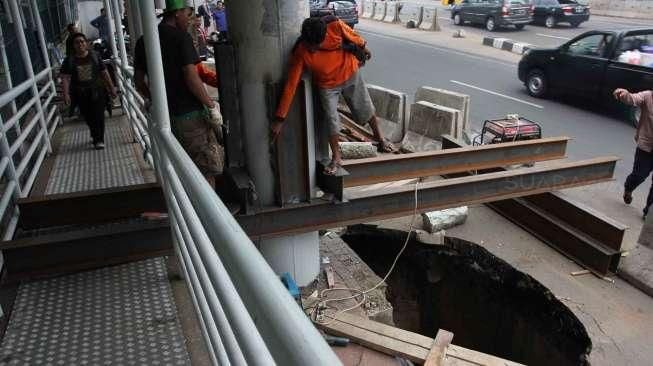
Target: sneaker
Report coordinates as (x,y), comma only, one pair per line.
(628,197)
(99,146)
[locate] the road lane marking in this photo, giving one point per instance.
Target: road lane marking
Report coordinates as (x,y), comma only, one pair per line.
(497,94)
(556,37)
(442,49)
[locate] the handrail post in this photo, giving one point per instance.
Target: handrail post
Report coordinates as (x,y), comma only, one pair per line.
(8,79)
(22,42)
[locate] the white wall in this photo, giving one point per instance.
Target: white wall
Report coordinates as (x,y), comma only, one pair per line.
(623,8)
(89,10)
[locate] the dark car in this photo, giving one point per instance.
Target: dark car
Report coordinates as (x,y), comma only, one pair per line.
(346,10)
(552,12)
(493,13)
(591,66)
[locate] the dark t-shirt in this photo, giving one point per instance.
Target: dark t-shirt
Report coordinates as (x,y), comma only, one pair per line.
(84,71)
(177,51)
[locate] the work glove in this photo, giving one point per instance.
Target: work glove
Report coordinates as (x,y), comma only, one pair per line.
(215,121)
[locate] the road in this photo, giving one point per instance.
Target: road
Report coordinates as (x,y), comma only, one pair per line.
(539,35)
(403,64)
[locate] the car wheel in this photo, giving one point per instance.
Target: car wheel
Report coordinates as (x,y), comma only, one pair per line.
(574,24)
(536,83)
(457,20)
(520,26)
(550,21)
(490,24)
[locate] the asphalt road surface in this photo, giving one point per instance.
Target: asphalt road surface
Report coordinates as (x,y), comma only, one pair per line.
(541,36)
(404,65)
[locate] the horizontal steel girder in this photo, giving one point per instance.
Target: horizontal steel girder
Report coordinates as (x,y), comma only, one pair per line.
(431,163)
(397,202)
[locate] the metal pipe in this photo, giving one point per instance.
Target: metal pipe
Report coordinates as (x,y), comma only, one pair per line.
(154,67)
(184,241)
(229,343)
(22,42)
(19,141)
(8,81)
(289,335)
(32,176)
(12,94)
(18,115)
(243,327)
(5,152)
(200,304)
(41,35)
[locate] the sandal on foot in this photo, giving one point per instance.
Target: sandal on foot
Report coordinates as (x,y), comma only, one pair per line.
(332,168)
(386,146)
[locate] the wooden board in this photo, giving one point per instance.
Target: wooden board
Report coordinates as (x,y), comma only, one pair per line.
(412,346)
(438,352)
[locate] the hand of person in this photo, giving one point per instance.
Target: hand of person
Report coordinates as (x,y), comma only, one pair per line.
(368,54)
(215,117)
(113,92)
(66,99)
(619,93)
(275,129)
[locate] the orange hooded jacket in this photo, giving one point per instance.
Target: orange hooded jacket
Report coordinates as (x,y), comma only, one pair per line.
(330,64)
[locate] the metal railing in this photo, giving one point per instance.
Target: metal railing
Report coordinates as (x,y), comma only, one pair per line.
(25,135)
(246,314)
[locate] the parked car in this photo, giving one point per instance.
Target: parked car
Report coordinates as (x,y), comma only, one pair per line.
(493,13)
(346,10)
(591,66)
(552,12)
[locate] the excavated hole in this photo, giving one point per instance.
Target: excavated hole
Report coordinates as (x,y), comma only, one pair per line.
(489,306)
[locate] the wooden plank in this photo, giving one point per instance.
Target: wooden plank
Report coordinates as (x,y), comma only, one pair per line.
(438,351)
(328,271)
(395,341)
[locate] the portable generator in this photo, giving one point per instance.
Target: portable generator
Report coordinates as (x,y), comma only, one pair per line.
(508,129)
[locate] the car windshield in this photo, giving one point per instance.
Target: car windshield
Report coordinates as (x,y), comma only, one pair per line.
(567,2)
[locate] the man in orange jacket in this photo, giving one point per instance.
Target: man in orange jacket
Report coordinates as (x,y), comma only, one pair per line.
(324,48)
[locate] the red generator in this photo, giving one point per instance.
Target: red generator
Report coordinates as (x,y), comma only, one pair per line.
(507,129)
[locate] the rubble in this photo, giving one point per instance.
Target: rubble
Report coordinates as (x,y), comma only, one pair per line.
(435,221)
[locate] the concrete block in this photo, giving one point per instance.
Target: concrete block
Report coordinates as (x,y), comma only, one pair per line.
(410,13)
(414,142)
(391,12)
(357,150)
(429,19)
(368,10)
(448,99)
(432,120)
(435,221)
(379,10)
(436,238)
(390,107)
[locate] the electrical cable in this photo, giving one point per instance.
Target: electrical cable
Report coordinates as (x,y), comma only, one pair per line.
(322,305)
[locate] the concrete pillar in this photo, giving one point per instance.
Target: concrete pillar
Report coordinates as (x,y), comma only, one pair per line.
(263,33)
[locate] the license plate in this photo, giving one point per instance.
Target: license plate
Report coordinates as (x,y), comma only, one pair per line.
(579,9)
(520,12)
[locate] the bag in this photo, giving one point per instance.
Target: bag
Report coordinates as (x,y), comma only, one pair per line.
(347,45)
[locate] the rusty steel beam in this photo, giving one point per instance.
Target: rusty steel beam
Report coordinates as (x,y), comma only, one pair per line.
(397,202)
(389,168)
(588,237)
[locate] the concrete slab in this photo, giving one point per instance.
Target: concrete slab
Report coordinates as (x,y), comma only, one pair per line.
(449,99)
(432,120)
(410,12)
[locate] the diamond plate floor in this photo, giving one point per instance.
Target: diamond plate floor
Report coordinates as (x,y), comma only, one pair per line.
(122,315)
(78,167)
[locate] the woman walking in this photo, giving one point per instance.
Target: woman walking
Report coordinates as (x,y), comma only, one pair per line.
(86,79)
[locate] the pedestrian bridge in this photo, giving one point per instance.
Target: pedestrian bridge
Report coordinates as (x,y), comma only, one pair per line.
(126,255)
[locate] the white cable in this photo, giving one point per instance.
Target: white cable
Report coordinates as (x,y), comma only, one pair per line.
(323,304)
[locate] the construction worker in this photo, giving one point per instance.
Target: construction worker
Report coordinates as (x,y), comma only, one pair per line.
(193,114)
(643,164)
(333,52)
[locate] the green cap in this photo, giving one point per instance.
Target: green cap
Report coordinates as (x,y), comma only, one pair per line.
(172,5)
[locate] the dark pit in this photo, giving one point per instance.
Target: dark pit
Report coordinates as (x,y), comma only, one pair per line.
(489,306)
